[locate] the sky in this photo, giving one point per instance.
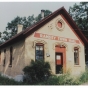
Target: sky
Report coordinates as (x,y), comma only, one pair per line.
(10,10)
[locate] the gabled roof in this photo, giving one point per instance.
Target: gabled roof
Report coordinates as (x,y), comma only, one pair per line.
(22,35)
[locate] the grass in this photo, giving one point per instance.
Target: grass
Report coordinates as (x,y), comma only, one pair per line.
(66,79)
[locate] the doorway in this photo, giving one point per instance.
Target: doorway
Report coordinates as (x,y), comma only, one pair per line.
(59,62)
(60,59)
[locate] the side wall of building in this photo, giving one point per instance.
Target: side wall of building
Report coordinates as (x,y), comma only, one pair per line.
(17,59)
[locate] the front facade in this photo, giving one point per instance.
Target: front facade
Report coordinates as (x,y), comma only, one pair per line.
(58,47)
(54,41)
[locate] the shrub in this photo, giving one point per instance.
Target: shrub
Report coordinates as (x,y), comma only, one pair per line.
(37,70)
(84,76)
(6,81)
(64,79)
(52,80)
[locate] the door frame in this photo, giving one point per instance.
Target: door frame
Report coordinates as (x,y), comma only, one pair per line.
(62,50)
(60,65)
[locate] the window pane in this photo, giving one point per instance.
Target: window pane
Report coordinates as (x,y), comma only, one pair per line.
(4,57)
(41,57)
(37,57)
(77,62)
(41,47)
(11,52)
(76,56)
(37,47)
(41,52)
(37,52)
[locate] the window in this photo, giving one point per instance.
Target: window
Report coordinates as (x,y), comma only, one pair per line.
(76,56)
(4,57)
(39,51)
(0,56)
(11,52)
(60,24)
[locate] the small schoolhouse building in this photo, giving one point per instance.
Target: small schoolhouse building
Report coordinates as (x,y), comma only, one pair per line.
(56,39)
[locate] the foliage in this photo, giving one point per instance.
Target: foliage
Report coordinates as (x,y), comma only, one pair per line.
(80,15)
(7,81)
(37,70)
(11,28)
(63,79)
(46,13)
(84,76)
(66,79)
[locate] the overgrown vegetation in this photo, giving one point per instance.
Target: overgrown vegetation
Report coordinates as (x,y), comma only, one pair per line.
(35,74)
(66,79)
(11,28)
(7,81)
(37,71)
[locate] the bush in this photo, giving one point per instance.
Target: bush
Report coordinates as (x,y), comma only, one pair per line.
(37,70)
(84,76)
(52,80)
(64,79)
(6,81)
(38,73)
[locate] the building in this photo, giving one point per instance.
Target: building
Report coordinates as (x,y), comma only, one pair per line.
(55,38)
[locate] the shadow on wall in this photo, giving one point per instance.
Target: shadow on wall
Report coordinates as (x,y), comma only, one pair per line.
(17,60)
(29,52)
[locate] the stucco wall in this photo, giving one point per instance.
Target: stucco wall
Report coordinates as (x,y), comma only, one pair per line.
(50,29)
(17,62)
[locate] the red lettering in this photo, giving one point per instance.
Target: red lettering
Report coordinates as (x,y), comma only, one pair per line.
(46,36)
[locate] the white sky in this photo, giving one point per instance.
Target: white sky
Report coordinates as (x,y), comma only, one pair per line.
(10,10)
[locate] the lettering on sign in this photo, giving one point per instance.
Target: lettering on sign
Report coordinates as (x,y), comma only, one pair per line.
(52,37)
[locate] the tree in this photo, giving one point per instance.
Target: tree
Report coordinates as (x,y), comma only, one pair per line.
(79,13)
(11,28)
(46,13)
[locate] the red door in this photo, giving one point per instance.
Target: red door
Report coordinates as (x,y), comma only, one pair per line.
(60,57)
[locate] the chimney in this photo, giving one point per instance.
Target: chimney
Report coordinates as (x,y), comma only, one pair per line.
(19,28)
(42,14)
